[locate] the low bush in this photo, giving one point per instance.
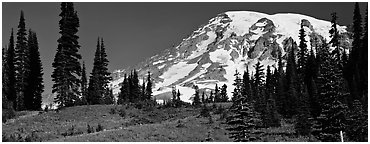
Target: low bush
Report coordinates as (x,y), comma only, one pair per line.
(90,129)
(72,131)
(205,112)
(113,111)
(122,112)
(99,128)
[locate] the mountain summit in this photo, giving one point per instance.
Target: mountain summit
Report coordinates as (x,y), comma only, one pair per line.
(234,40)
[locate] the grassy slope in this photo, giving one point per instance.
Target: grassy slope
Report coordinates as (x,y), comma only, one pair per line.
(165,125)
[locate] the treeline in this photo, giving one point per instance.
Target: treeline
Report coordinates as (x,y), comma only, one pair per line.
(324,92)
(22,72)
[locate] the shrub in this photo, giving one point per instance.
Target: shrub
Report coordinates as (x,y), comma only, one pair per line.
(90,129)
(72,131)
(204,111)
(99,128)
(122,113)
(113,111)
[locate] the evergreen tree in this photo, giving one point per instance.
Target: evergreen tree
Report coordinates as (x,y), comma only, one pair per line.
(272,117)
(21,62)
(334,34)
(5,78)
(259,96)
(143,94)
(135,89)
(223,94)
(280,88)
(217,94)
(203,98)
(269,83)
(7,106)
(291,84)
(109,98)
(303,123)
(302,54)
(123,96)
(196,101)
(174,94)
(35,88)
(238,86)
(211,98)
(148,90)
(364,63)
(243,121)
(310,81)
(357,123)
(84,91)
(95,89)
(66,63)
(332,118)
(247,89)
(10,72)
(103,69)
(178,95)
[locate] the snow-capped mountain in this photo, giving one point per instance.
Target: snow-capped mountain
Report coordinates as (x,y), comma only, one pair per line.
(234,40)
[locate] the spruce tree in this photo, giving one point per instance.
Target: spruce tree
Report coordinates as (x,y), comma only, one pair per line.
(109,98)
(10,71)
(123,96)
(178,95)
(238,87)
(148,90)
(95,89)
(135,89)
(67,68)
(247,89)
(143,94)
(303,123)
(21,62)
(243,121)
(291,84)
(196,101)
(334,35)
(217,94)
(84,83)
(357,129)
(103,71)
(333,117)
(302,54)
(280,88)
(223,93)
(211,98)
(259,96)
(35,88)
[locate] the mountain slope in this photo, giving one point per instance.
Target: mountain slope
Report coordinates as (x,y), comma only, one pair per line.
(231,41)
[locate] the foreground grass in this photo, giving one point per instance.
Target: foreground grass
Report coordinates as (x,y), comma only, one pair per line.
(140,125)
(190,129)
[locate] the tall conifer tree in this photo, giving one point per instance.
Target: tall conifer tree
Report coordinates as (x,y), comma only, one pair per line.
(21,63)
(35,88)
(67,68)
(10,71)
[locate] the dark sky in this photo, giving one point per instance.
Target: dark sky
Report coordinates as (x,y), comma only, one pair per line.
(135,31)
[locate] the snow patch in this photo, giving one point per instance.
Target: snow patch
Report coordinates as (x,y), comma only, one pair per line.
(176,72)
